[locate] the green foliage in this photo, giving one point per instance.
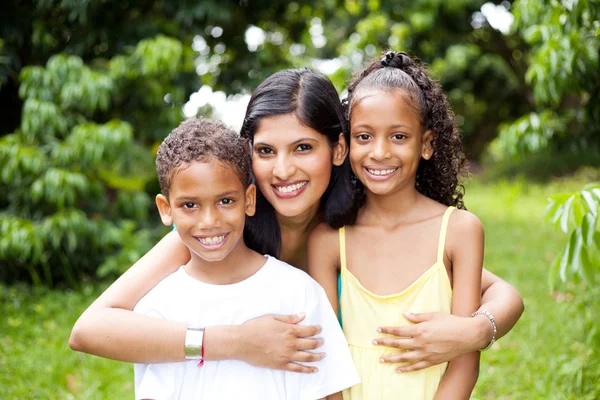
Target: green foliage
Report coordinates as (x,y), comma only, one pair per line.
(75,173)
(563,74)
(576,215)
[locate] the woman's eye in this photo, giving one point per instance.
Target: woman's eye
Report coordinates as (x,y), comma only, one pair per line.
(226,202)
(304,147)
(264,150)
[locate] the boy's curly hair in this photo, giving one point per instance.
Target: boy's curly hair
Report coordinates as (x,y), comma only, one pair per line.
(200,139)
(438,178)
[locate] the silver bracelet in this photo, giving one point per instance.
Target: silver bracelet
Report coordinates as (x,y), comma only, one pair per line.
(493,321)
(194,341)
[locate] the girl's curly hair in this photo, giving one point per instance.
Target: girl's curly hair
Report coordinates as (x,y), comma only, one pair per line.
(438,178)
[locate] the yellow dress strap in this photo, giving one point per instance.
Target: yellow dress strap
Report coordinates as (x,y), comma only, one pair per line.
(342,235)
(443,229)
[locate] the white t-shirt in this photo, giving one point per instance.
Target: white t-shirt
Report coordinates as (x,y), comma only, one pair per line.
(277,288)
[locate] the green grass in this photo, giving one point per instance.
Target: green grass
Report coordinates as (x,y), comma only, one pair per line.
(549,354)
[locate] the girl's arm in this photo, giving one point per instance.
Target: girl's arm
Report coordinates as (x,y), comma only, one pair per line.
(440,337)
(465,253)
(109,328)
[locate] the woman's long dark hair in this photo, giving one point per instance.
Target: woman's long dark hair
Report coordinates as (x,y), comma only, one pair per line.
(313,99)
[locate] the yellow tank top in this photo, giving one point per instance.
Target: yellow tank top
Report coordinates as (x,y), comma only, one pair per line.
(363,312)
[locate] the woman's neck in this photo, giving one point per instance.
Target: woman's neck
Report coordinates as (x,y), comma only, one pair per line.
(294,235)
(300,223)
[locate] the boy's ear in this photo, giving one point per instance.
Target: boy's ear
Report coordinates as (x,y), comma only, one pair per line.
(251,200)
(340,150)
(427,147)
(162,203)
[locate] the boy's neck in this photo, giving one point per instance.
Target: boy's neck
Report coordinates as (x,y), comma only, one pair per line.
(239,265)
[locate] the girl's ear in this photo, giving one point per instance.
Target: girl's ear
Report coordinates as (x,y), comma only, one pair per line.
(250,200)
(164,209)
(427,144)
(340,150)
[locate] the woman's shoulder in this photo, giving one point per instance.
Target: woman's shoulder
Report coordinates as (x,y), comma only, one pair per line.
(323,235)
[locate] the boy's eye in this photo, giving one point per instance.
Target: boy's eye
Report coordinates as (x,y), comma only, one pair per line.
(189,205)
(226,202)
(304,147)
(264,150)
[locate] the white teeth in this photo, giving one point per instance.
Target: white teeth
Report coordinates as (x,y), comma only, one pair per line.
(291,188)
(381,171)
(212,240)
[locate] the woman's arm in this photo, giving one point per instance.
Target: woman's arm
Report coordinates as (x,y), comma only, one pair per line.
(323,260)
(466,257)
(109,328)
(437,337)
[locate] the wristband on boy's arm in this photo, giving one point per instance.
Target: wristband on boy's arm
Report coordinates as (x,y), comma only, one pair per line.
(194,345)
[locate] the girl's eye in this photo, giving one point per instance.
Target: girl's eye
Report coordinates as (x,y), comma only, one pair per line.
(264,150)
(399,136)
(363,136)
(225,202)
(304,147)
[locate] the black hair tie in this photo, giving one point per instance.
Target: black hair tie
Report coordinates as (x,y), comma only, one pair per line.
(389,56)
(395,59)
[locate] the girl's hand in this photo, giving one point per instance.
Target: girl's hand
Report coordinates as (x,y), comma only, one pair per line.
(435,338)
(277,342)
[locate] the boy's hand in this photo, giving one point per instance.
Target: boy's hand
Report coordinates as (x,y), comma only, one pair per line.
(276,341)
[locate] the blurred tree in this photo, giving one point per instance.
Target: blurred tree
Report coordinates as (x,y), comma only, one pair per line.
(564,74)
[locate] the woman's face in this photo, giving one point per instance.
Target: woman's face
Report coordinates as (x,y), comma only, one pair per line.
(292,164)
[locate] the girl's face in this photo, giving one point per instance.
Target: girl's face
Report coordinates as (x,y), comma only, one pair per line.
(387,142)
(292,164)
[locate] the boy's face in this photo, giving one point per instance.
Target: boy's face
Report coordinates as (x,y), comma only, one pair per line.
(208,204)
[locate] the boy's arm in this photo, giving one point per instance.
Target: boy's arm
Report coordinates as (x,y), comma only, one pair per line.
(465,244)
(109,328)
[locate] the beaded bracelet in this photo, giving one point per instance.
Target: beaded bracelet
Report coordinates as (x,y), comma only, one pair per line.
(493,321)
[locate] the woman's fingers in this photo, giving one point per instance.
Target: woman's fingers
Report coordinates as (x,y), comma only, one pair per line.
(302,331)
(294,367)
(308,344)
(404,357)
(399,343)
(414,367)
(400,331)
(307,356)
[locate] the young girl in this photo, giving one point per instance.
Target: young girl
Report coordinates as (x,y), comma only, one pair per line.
(410,248)
(297,126)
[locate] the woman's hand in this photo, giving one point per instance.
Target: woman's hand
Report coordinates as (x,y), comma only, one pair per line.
(435,338)
(276,341)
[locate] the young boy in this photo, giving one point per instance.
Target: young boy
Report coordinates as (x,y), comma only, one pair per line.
(204,174)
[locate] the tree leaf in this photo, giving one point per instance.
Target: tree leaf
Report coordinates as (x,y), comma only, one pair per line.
(591,204)
(566,213)
(588,227)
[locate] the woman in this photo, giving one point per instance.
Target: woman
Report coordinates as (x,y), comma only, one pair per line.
(295,122)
